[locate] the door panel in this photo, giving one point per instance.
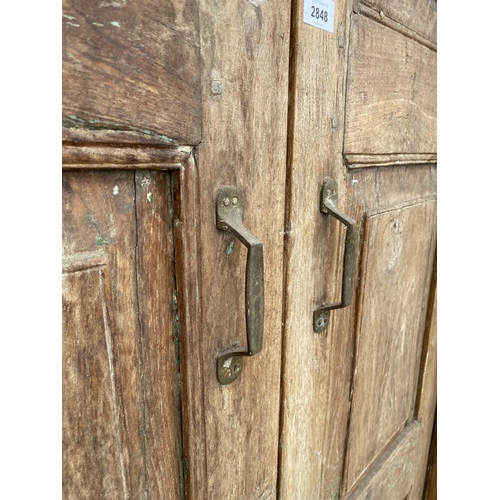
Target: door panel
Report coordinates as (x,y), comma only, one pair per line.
(419,16)
(132,66)
(392,293)
(391,97)
(89,386)
(121,401)
(392,476)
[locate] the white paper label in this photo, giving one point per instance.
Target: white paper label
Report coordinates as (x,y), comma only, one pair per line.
(319,13)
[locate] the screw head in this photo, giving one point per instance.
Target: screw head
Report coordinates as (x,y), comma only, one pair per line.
(225,202)
(322,322)
(234,201)
(227,373)
(237,368)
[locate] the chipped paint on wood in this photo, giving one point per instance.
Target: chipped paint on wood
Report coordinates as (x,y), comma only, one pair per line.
(257,3)
(100,241)
(229,249)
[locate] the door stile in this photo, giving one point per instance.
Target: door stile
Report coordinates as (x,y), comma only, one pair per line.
(231,431)
(315,367)
(187,243)
(425,407)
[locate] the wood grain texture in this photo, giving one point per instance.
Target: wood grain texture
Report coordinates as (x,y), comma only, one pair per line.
(187,239)
(316,368)
(380,17)
(380,160)
(132,66)
(430,492)
(425,408)
(232,431)
(393,291)
(157,343)
(391,93)
(417,15)
(122,157)
(121,407)
(392,476)
(393,288)
(92,438)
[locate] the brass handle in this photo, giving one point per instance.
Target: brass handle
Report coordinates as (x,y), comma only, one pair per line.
(328,202)
(229,217)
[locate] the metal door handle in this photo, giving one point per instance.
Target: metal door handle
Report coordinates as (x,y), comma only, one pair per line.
(328,202)
(229,217)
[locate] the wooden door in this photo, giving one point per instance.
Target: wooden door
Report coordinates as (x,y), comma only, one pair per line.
(131,117)
(164,104)
(358,398)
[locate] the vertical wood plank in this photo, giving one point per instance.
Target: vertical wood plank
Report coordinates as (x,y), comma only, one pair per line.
(244,51)
(425,411)
(430,492)
(316,367)
(160,389)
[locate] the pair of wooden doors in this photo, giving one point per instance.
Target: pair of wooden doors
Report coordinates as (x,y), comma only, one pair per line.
(164,104)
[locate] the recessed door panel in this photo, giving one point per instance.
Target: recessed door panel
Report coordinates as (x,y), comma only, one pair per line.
(394,276)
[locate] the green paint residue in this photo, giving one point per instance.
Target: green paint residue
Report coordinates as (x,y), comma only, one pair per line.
(97,24)
(229,249)
(88,218)
(71,18)
(150,197)
(115,23)
(73,24)
(100,241)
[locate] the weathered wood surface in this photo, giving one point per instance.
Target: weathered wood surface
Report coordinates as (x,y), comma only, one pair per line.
(316,368)
(133,66)
(231,431)
(430,492)
(382,190)
(393,292)
(121,401)
(425,408)
(123,157)
(381,160)
(391,93)
(380,17)
(418,15)
(392,476)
